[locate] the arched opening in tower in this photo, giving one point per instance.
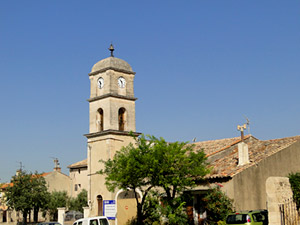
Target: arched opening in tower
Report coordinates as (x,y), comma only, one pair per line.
(100,120)
(122,119)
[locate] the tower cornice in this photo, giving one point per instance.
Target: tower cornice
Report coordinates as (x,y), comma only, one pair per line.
(111,68)
(114,132)
(111,95)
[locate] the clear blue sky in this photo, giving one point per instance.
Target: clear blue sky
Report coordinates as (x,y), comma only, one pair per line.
(200,67)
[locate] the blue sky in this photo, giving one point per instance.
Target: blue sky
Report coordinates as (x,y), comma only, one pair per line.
(201,66)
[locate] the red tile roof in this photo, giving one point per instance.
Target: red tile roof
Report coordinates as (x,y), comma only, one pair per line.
(3,186)
(80,164)
(223,154)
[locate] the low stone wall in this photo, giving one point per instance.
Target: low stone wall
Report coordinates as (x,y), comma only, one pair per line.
(278,190)
(8,223)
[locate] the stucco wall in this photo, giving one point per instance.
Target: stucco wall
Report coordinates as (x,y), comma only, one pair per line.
(250,185)
(79,176)
(102,148)
(58,181)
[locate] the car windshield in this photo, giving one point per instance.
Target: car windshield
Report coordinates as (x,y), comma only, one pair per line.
(237,219)
(103,222)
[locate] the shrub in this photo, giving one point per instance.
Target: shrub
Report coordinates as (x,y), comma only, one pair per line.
(217,206)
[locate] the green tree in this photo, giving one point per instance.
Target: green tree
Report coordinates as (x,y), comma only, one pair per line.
(153,162)
(177,166)
(217,205)
(57,199)
(24,193)
(40,195)
(79,202)
(294,179)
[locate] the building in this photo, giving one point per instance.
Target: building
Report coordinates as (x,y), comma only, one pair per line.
(242,169)
(56,181)
(240,165)
(111,125)
(79,176)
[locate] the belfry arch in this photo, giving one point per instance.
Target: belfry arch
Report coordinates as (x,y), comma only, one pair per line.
(100,119)
(122,118)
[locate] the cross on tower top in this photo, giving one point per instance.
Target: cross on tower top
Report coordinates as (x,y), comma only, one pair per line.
(111,49)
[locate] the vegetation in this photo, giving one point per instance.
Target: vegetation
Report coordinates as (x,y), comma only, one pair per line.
(79,202)
(217,206)
(57,199)
(294,179)
(27,192)
(153,162)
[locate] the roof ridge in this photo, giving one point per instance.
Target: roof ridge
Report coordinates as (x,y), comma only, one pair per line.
(223,139)
(276,139)
(228,146)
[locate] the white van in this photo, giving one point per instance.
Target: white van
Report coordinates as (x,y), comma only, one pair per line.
(98,220)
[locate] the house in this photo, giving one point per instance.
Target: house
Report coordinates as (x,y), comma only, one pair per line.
(78,172)
(241,168)
(56,181)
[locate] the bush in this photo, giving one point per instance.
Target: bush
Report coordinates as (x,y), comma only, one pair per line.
(217,206)
(294,179)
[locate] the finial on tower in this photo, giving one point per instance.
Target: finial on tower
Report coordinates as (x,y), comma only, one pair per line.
(111,49)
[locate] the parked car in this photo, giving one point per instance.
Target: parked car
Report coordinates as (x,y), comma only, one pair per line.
(49,223)
(98,220)
(255,217)
(73,215)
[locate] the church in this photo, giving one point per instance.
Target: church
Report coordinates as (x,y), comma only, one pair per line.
(248,170)
(111,126)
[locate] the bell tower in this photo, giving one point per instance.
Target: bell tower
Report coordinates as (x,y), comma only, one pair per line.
(112,101)
(111,122)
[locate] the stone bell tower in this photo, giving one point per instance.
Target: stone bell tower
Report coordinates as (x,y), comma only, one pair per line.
(111,122)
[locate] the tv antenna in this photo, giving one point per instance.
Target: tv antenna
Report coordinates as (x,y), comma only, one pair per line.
(56,162)
(21,166)
(247,123)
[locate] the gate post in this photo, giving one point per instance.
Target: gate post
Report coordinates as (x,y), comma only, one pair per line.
(278,190)
(61,215)
(86,212)
(1,215)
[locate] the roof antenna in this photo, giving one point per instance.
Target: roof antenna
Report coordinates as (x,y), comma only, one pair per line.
(56,164)
(111,49)
(21,166)
(248,124)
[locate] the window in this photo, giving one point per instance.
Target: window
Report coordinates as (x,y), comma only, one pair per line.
(94,222)
(103,222)
(122,119)
(100,122)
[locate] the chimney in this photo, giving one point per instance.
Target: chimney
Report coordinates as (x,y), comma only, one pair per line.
(56,165)
(243,154)
(18,172)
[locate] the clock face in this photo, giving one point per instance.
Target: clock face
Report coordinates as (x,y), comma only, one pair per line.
(121,82)
(100,82)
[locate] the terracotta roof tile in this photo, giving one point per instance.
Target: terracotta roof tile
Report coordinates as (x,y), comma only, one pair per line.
(223,154)
(82,163)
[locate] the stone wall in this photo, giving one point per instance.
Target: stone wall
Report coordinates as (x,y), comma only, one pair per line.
(278,191)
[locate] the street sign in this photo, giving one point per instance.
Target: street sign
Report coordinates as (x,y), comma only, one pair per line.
(110,209)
